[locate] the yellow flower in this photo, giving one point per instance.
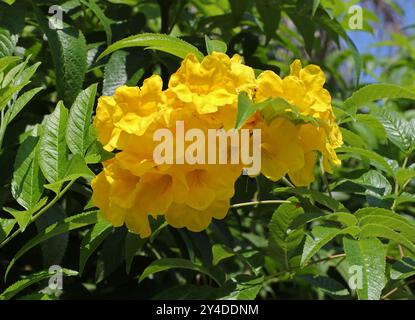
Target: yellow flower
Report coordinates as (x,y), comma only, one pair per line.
(303,88)
(203,95)
(212,83)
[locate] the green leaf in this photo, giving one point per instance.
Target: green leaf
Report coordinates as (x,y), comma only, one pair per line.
(317,196)
(103,19)
(215,45)
(23,217)
(327,285)
(377,91)
(238,8)
(54,249)
(132,244)
(403,175)
(375,159)
(282,241)
(7,43)
(387,218)
(20,285)
(374,183)
(70,223)
(7,61)
(270,15)
(69,53)
(92,240)
(6,226)
(378,230)
(247,287)
(220,252)
(162,42)
(175,263)
(403,269)
(397,130)
(115,73)
(370,256)
(245,109)
(320,237)
(53,153)
(21,103)
(27,183)
(77,132)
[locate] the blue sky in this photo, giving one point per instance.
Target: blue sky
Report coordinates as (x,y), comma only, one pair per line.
(364,40)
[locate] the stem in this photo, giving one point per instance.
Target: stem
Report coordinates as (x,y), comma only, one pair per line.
(40,212)
(253,203)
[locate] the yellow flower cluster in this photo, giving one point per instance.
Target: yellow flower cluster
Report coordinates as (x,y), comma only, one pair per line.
(204,95)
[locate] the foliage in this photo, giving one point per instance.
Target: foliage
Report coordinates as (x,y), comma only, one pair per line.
(278,241)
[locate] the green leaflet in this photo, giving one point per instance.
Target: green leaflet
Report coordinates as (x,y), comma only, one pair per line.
(70,223)
(320,237)
(132,244)
(369,256)
(79,121)
(215,45)
(162,42)
(69,53)
(377,91)
(18,286)
(7,43)
(91,241)
(115,73)
(27,183)
(176,263)
(398,130)
(53,152)
(375,159)
(282,242)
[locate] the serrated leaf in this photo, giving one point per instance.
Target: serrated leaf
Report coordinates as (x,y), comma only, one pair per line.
(7,43)
(115,73)
(162,42)
(378,230)
(320,237)
(27,183)
(79,121)
(18,286)
(91,242)
(69,53)
(375,159)
(247,287)
(377,91)
(6,226)
(317,196)
(374,182)
(53,152)
(282,241)
(175,263)
(397,130)
(70,223)
(5,62)
(370,256)
(21,103)
(23,217)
